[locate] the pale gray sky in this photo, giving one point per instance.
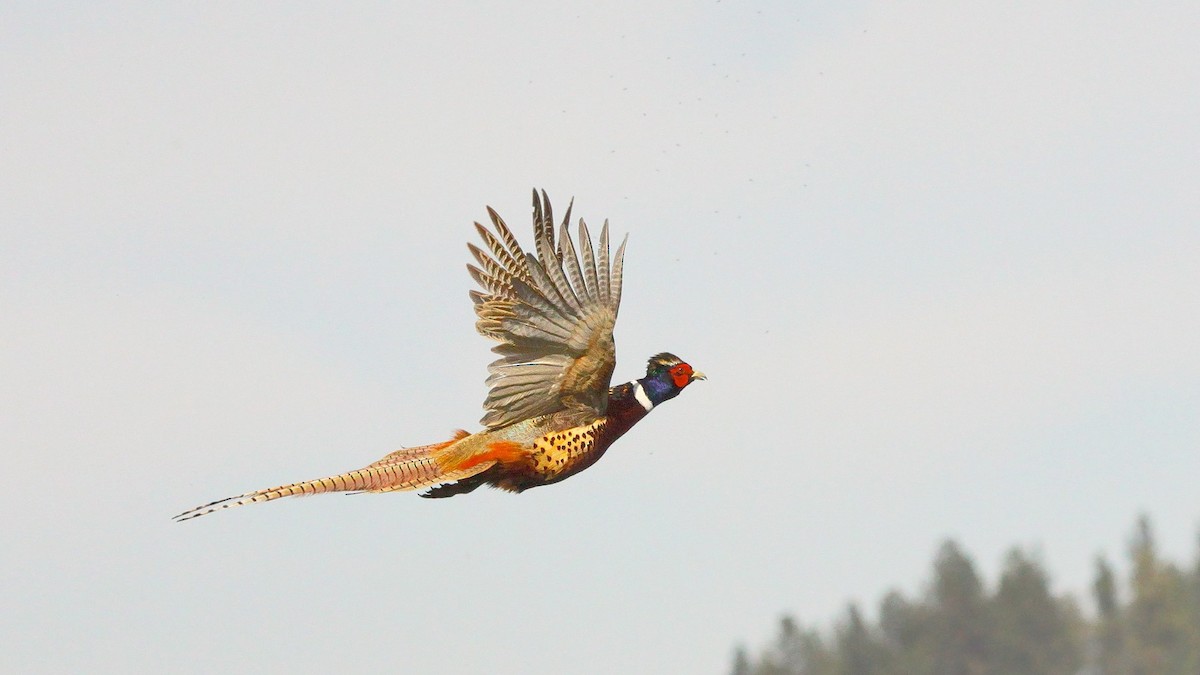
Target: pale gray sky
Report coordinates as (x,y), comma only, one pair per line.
(939,260)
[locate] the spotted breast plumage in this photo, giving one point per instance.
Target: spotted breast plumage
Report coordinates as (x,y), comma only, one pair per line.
(550,409)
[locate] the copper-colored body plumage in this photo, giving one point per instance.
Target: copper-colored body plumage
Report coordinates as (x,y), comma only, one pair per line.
(550,410)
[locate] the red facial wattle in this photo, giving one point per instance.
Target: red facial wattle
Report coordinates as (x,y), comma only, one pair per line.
(681,375)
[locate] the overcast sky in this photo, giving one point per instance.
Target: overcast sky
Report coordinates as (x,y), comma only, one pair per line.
(939,260)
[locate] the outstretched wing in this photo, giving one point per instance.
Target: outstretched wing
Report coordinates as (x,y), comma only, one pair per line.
(553,315)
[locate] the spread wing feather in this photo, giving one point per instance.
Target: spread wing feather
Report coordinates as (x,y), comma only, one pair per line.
(553,314)
(602,269)
(614,284)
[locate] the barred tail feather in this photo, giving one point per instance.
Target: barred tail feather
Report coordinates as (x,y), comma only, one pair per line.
(370,479)
(407,469)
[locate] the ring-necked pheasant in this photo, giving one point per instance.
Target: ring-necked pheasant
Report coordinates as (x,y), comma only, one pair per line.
(550,410)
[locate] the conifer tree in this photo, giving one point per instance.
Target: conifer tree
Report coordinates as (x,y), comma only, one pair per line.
(1034,633)
(906,634)
(858,653)
(1109,641)
(741,663)
(960,618)
(1193,640)
(1158,611)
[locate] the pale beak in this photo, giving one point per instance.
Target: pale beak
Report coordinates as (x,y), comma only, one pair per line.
(697,375)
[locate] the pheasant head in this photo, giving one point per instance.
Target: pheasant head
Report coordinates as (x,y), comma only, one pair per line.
(666,376)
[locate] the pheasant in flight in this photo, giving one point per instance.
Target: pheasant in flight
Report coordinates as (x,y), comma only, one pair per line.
(550,410)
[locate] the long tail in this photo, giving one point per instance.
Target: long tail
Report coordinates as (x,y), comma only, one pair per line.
(407,469)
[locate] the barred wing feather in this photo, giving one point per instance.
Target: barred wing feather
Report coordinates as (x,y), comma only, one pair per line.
(553,314)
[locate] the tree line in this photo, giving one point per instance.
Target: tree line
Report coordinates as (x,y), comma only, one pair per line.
(1148,625)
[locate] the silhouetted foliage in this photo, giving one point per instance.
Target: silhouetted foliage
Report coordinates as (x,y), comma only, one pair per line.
(958,627)
(1158,621)
(960,619)
(1109,630)
(1033,632)
(741,663)
(858,650)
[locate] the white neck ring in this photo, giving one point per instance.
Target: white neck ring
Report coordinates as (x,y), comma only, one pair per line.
(640,394)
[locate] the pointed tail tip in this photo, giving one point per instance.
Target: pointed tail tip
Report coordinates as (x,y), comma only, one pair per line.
(186,515)
(191,513)
(205,509)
